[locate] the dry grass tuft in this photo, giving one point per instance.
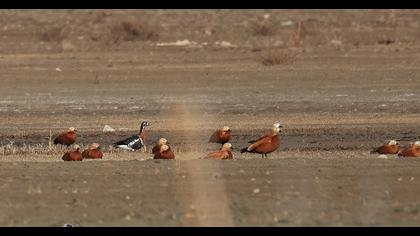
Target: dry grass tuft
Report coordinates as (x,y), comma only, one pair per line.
(299,35)
(130,30)
(54,34)
(386,41)
(11,149)
(264,28)
(278,57)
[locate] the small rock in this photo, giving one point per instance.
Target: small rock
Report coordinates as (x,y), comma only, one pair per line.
(207,32)
(257,190)
(108,128)
(336,42)
(224,44)
(67,46)
(287,23)
(382,156)
(58,69)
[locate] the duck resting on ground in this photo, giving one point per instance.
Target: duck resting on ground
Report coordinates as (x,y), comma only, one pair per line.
(135,142)
(73,155)
(67,138)
(223,154)
(160,142)
(390,147)
(221,136)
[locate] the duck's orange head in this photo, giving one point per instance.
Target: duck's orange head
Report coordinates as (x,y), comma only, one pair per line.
(164,148)
(225,129)
(392,142)
(95,146)
(277,128)
(72,129)
(75,147)
(227,147)
(162,141)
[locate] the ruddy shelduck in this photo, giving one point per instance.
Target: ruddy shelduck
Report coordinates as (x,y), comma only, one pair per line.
(267,143)
(160,142)
(412,151)
(391,147)
(223,154)
(164,153)
(134,142)
(73,155)
(67,138)
(94,152)
(221,136)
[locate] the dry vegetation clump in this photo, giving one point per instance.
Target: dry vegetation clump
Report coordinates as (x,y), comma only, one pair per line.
(299,35)
(11,149)
(264,28)
(278,57)
(386,41)
(54,34)
(131,30)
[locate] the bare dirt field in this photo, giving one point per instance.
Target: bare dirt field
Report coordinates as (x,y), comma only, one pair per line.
(341,81)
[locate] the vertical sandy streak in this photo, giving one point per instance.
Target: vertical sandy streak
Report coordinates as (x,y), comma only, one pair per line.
(209,195)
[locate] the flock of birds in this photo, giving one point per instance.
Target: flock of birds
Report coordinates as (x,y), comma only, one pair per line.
(393,147)
(264,145)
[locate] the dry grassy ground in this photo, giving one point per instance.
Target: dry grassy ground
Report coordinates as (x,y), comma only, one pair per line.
(342,82)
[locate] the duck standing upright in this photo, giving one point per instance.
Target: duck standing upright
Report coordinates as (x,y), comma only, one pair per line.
(134,142)
(265,144)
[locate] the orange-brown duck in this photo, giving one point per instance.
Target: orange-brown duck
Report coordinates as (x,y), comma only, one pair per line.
(265,144)
(390,147)
(223,154)
(67,138)
(221,136)
(164,153)
(73,155)
(94,152)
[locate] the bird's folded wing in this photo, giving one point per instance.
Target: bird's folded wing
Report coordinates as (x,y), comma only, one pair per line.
(256,140)
(214,137)
(127,140)
(258,143)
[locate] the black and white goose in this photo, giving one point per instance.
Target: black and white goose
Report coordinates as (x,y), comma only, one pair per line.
(134,142)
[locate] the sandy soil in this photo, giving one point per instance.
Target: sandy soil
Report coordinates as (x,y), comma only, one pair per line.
(346,82)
